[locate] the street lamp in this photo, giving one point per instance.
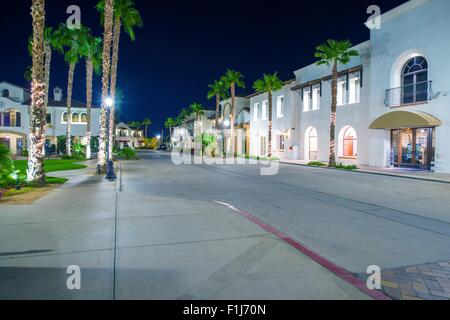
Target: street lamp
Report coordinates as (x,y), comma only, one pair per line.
(110,175)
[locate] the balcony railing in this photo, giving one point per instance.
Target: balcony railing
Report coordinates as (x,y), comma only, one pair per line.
(408,94)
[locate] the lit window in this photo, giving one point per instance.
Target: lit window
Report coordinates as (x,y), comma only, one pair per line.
(341,91)
(84,118)
(306,100)
(264,110)
(280,107)
(256,111)
(350,143)
(316,97)
(75,118)
(64,117)
(354,86)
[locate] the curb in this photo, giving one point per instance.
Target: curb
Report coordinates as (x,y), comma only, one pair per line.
(371,172)
(327,264)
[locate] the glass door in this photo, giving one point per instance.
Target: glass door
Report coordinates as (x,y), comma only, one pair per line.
(413,148)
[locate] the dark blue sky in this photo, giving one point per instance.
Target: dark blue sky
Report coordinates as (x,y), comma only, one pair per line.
(185,45)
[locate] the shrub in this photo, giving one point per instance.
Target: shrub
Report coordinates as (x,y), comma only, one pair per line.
(126,154)
(7,169)
(25,153)
(346,167)
(316,164)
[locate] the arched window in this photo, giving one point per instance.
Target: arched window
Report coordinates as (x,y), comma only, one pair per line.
(311,144)
(75,117)
(5,93)
(349,142)
(84,118)
(64,117)
(415,80)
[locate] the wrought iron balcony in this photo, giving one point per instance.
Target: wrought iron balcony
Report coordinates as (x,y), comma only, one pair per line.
(409,94)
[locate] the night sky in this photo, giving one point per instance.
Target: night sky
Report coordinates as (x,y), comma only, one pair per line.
(185,45)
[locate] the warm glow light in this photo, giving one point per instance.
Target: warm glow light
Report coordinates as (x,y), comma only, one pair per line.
(158,137)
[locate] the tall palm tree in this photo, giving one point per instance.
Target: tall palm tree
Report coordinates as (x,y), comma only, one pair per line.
(218,91)
(69,42)
(35,171)
(169,124)
(49,40)
(233,79)
(269,84)
(126,15)
(146,123)
(333,53)
(108,12)
(91,51)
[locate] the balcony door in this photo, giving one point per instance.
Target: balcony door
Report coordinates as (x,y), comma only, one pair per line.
(415,81)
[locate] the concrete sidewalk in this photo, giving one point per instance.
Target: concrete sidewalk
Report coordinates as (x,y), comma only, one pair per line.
(393,172)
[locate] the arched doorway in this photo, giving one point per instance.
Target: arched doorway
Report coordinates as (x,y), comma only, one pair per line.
(311,144)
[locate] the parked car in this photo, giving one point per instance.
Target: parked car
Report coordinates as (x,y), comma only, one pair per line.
(162,147)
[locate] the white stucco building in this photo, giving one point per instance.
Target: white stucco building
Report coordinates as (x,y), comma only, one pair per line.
(393,100)
(15,118)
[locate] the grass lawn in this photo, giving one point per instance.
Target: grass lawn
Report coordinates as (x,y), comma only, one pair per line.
(51,165)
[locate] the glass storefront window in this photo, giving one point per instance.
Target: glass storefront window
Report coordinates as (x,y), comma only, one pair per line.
(413,148)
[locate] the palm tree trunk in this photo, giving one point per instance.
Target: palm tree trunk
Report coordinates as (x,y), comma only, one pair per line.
(107,39)
(69,109)
(35,171)
(217,110)
(233,108)
(48,61)
(89,77)
(332,160)
(170,144)
(114,66)
(270,127)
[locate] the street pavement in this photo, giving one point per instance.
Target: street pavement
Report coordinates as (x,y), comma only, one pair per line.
(157,234)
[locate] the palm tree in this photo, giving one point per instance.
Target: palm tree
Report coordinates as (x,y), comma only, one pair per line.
(333,53)
(232,80)
(146,123)
(35,171)
(108,12)
(126,15)
(169,124)
(219,91)
(69,42)
(198,111)
(49,40)
(91,51)
(269,83)
(182,119)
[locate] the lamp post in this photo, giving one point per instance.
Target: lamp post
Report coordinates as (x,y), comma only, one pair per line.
(110,175)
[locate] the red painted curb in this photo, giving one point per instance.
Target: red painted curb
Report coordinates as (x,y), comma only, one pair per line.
(330,266)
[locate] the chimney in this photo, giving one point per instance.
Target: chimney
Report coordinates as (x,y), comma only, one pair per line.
(57,94)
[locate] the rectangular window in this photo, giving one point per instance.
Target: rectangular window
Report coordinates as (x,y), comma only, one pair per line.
(316,97)
(354,87)
(264,110)
(263,146)
(48,118)
(281,142)
(280,107)
(306,100)
(342,91)
(256,112)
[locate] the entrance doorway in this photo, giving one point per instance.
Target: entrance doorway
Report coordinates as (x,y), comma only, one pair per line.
(413,148)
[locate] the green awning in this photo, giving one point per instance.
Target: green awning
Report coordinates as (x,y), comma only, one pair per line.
(405,119)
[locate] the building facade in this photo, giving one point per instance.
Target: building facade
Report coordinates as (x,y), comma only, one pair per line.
(393,99)
(127,137)
(15,118)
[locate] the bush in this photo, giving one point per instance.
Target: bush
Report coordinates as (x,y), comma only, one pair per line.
(25,153)
(126,154)
(346,167)
(8,173)
(316,164)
